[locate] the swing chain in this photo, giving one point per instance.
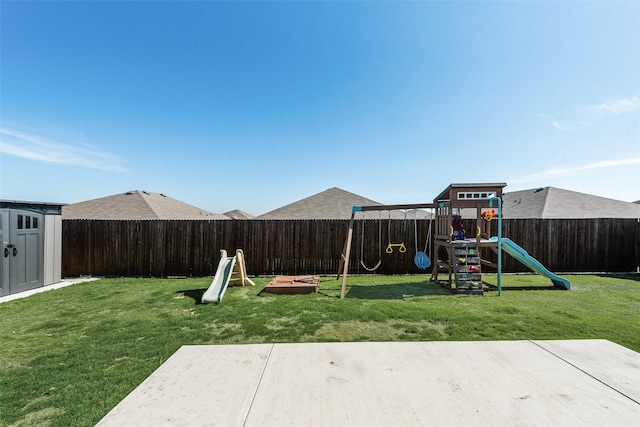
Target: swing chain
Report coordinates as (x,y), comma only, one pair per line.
(421,259)
(427,243)
(401,247)
(374,268)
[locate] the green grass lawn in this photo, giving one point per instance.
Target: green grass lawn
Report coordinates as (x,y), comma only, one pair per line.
(68,356)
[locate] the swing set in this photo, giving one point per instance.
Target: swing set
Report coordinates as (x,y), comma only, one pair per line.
(455,254)
(421,259)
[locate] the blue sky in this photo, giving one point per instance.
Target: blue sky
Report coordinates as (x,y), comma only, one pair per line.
(254,105)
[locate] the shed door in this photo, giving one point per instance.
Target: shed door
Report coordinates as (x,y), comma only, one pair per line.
(23,251)
(4,255)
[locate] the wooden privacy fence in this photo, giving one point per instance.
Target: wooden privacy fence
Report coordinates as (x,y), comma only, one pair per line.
(161,248)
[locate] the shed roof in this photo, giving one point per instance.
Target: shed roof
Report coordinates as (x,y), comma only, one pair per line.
(136,205)
(45,208)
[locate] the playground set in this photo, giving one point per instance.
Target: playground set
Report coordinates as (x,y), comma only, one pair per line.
(449,249)
(232,271)
(458,253)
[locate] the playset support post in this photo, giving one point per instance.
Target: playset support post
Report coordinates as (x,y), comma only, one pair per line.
(499,274)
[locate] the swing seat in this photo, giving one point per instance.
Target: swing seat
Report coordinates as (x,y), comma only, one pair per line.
(374,268)
(421,260)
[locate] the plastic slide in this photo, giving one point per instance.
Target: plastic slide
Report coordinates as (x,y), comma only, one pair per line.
(523,256)
(220,280)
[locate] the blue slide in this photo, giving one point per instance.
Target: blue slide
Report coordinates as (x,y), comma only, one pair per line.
(523,256)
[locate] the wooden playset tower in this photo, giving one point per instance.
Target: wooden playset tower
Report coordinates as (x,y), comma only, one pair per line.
(457,251)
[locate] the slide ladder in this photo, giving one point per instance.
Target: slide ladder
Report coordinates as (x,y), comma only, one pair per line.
(467,268)
(230,269)
(239,272)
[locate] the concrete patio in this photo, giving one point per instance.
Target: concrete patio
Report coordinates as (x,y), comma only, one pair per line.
(491,383)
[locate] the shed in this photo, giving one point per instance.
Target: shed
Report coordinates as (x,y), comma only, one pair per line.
(31,236)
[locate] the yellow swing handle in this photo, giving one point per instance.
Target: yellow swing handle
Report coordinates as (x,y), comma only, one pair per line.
(401,247)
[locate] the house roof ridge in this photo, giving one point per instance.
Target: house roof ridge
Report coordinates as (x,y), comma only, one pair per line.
(146,202)
(332,203)
(545,204)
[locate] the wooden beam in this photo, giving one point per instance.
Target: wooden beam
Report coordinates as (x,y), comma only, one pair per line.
(346,254)
(394,207)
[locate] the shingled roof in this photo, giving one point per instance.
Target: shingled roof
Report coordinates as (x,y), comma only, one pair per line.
(333,203)
(238,214)
(556,203)
(136,205)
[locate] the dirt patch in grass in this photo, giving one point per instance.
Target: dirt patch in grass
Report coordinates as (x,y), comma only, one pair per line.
(353,330)
(231,333)
(440,328)
(41,418)
(282,323)
(219,328)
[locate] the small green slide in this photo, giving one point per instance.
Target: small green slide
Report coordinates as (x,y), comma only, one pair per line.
(523,256)
(220,280)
